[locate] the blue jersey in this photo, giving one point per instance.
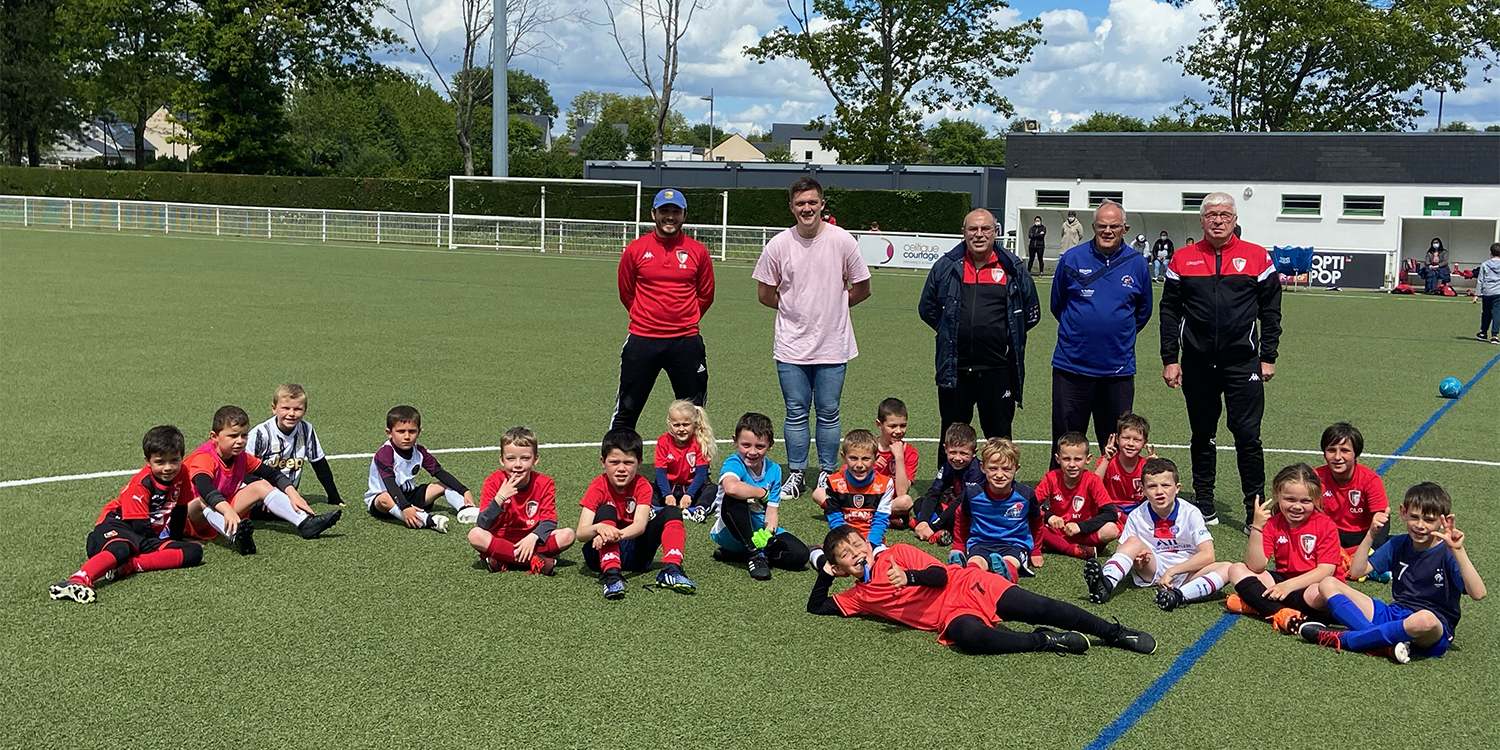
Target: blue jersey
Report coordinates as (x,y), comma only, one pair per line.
(769,479)
(1422,579)
(1007,520)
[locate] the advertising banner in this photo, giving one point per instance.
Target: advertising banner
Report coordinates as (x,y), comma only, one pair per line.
(1344,270)
(904,250)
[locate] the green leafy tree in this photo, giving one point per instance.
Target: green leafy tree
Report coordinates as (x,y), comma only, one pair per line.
(1109,122)
(963,142)
(386,124)
(1336,64)
(603,143)
(524,138)
(889,62)
(779,153)
(1492,129)
(1457,126)
(35,92)
(529,95)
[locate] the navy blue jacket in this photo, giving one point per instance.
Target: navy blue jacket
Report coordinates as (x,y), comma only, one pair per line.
(1100,305)
(942,302)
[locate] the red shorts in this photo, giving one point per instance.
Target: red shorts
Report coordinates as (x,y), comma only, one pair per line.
(1053,540)
(969,600)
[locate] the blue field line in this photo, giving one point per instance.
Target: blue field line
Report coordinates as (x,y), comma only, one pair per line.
(1159,689)
(1411,442)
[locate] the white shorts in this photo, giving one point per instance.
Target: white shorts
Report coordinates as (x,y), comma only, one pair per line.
(1164,560)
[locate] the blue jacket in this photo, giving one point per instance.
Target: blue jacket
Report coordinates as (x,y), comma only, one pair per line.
(941,303)
(1100,305)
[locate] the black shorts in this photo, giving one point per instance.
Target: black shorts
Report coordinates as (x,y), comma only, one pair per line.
(985,549)
(415,496)
(111,529)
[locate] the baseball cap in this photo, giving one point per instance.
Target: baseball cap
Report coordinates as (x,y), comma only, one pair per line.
(669,197)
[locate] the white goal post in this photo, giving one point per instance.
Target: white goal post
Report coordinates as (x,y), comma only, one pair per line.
(524,233)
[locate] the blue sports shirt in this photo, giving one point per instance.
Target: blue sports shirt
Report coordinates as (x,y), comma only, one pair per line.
(1422,579)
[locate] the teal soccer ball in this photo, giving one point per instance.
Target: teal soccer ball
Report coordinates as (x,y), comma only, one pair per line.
(1450,388)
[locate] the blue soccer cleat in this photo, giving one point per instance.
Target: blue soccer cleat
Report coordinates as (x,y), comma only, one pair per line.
(672,578)
(997,565)
(614,588)
(956,557)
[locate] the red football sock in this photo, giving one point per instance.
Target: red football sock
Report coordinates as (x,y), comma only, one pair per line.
(549,547)
(166,558)
(501,550)
(1015,575)
(98,565)
(673,537)
(609,557)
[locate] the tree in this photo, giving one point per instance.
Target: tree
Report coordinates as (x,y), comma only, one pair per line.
(889,62)
(126,56)
(779,153)
(636,113)
(528,95)
(1492,129)
(1109,122)
(603,143)
(383,124)
(526,29)
(525,138)
(670,19)
(35,93)
(1457,126)
(463,88)
(1336,64)
(963,142)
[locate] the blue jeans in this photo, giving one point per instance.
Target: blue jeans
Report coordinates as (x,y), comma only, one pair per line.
(801,387)
(1159,268)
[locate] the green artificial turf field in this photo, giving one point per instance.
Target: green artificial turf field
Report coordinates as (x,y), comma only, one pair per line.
(378,636)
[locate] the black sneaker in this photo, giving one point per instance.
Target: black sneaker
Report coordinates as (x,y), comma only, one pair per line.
(794,485)
(1169,598)
(760,570)
(1130,639)
(1093,577)
(244,537)
(823,475)
(1062,641)
(312,526)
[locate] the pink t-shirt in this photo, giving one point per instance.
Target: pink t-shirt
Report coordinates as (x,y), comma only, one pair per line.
(812,321)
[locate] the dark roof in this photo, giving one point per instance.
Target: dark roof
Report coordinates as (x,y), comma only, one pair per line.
(1419,158)
(784,132)
(765,146)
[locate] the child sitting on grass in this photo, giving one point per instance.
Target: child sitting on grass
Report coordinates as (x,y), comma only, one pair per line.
(960,471)
(517,524)
(999,523)
(1124,456)
(856,494)
(747,528)
(1303,544)
(1352,492)
(288,442)
(393,489)
(619,528)
(896,458)
(1431,573)
(1165,544)
(963,605)
(1078,517)
(682,456)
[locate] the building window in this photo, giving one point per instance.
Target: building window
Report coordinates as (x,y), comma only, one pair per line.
(1364,205)
(1193,201)
(1052,198)
(1098,197)
(1301,205)
(809,156)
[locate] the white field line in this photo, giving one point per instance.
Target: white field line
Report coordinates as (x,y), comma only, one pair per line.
(484,448)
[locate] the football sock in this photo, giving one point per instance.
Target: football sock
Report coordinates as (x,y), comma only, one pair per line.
(972,635)
(501,550)
(1347,612)
(216,519)
(166,558)
(1383,635)
(1019,605)
(1202,587)
(1014,570)
(455,499)
(1116,568)
(673,538)
(422,515)
(548,547)
(280,503)
(609,558)
(95,567)
(1253,593)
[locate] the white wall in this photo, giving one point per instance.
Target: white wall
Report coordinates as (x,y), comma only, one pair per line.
(1154,205)
(800,146)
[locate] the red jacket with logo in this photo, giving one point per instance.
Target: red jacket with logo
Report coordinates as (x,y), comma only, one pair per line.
(1221,305)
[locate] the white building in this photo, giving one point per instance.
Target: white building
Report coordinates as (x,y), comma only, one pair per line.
(804,143)
(1361,199)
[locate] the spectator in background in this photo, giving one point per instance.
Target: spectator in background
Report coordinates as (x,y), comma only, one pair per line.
(1488,283)
(1036,242)
(1161,252)
(1436,271)
(874,226)
(828,217)
(1072,233)
(1139,245)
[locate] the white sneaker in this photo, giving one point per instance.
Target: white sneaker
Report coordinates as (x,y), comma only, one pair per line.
(823,478)
(438,523)
(468,514)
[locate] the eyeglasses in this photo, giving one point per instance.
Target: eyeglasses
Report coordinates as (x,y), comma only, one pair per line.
(1219,216)
(1110,227)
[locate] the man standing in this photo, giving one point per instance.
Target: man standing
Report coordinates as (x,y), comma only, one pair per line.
(981,306)
(1036,242)
(1072,234)
(1101,297)
(1161,252)
(1220,325)
(666,282)
(811,274)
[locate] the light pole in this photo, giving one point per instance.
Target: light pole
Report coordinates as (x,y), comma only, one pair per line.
(499,97)
(710,100)
(1441,90)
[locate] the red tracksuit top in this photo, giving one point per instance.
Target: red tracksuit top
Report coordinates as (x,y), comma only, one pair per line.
(666,284)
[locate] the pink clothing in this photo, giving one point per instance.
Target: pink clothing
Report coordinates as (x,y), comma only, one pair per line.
(812,321)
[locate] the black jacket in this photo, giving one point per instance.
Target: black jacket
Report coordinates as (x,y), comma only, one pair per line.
(942,303)
(1221,306)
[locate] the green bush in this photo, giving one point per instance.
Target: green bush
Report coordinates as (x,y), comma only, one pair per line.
(895,210)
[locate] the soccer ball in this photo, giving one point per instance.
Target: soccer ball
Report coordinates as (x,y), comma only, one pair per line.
(1450,388)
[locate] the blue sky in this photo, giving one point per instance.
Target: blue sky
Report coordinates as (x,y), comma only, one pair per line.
(1104,55)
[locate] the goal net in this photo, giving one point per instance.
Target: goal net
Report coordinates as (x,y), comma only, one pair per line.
(540,214)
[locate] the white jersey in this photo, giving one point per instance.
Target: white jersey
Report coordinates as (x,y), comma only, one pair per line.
(288,454)
(1171,540)
(387,462)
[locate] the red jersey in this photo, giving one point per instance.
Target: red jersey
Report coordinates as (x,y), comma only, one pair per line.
(679,461)
(532,504)
(666,284)
(143,498)
(1297,551)
(1073,506)
(885,463)
(227,478)
(600,491)
(1351,505)
(1124,487)
(970,591)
